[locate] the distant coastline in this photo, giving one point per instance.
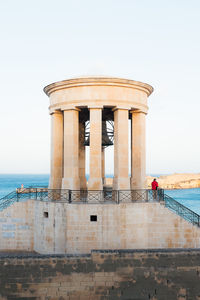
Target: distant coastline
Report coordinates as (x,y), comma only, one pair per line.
(9,182)
(177,181)
(170,182)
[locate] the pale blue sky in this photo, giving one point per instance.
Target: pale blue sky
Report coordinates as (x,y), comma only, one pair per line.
(155,41)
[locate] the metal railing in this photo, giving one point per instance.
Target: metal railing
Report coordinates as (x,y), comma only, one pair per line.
(106,196)
(182,210)
(100,196)
(8,200)
(81,196)
(19,195)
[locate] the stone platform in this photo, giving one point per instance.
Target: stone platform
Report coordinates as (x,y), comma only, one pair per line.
(78,228)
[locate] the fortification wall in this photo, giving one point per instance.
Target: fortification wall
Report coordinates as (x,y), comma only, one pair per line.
(17,226)
(60,228)
(51,227)
(69,229)
(112,275)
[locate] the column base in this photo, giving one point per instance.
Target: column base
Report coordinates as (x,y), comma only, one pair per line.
(95,184)
(55,183)
(121,183)
(71,183)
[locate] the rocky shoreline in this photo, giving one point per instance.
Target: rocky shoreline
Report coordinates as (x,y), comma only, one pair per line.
(177,181)
(173,181)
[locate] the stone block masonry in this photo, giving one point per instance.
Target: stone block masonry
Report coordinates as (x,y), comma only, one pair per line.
(123,274)
(69,229)
(64,228)
(17,227)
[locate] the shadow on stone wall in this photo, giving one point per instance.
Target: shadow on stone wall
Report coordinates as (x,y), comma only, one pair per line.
(124,274)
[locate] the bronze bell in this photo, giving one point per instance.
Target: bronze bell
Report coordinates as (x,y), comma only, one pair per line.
(106,140)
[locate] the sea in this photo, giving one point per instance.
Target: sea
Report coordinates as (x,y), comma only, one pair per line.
(9,182)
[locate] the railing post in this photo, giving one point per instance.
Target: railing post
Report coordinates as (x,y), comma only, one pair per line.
(70,196)
(147,196)
(17,196)
(118,196)
(162,195)
(36,194)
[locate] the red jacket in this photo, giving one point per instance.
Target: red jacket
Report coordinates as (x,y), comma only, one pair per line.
(154,185)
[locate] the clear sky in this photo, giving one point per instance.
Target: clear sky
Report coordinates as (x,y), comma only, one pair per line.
(157,42)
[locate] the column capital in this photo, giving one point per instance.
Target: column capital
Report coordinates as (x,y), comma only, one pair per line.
(53,112)
(70,108)
(137,111)
(95,107)
(120,108)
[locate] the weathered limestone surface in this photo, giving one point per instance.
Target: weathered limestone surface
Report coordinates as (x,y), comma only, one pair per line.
(67,228)
(121,179)
(103,164)
(17,227)
(127,226)
(138,153)
(71,178)
(50,234)
(55,180)
(83,181)
(112,275)
(95,179)
(98,91)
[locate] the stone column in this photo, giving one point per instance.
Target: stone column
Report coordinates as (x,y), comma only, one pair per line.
(83,181)
(121,177)
(55,181)
(71,150)
(95,180)
(103,165)
(138,151)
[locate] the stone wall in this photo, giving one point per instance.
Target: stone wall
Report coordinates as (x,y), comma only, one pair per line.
(125,274)
(59,228)
(17,227)
(50,232)
(69,229)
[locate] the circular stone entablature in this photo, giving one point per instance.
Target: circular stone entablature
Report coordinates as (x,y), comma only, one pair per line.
(105,92)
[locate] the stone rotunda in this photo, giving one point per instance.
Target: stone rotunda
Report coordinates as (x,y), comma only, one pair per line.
(78,103)
(75,217)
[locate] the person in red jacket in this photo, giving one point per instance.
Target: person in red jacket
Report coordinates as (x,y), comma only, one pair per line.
(154,186)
